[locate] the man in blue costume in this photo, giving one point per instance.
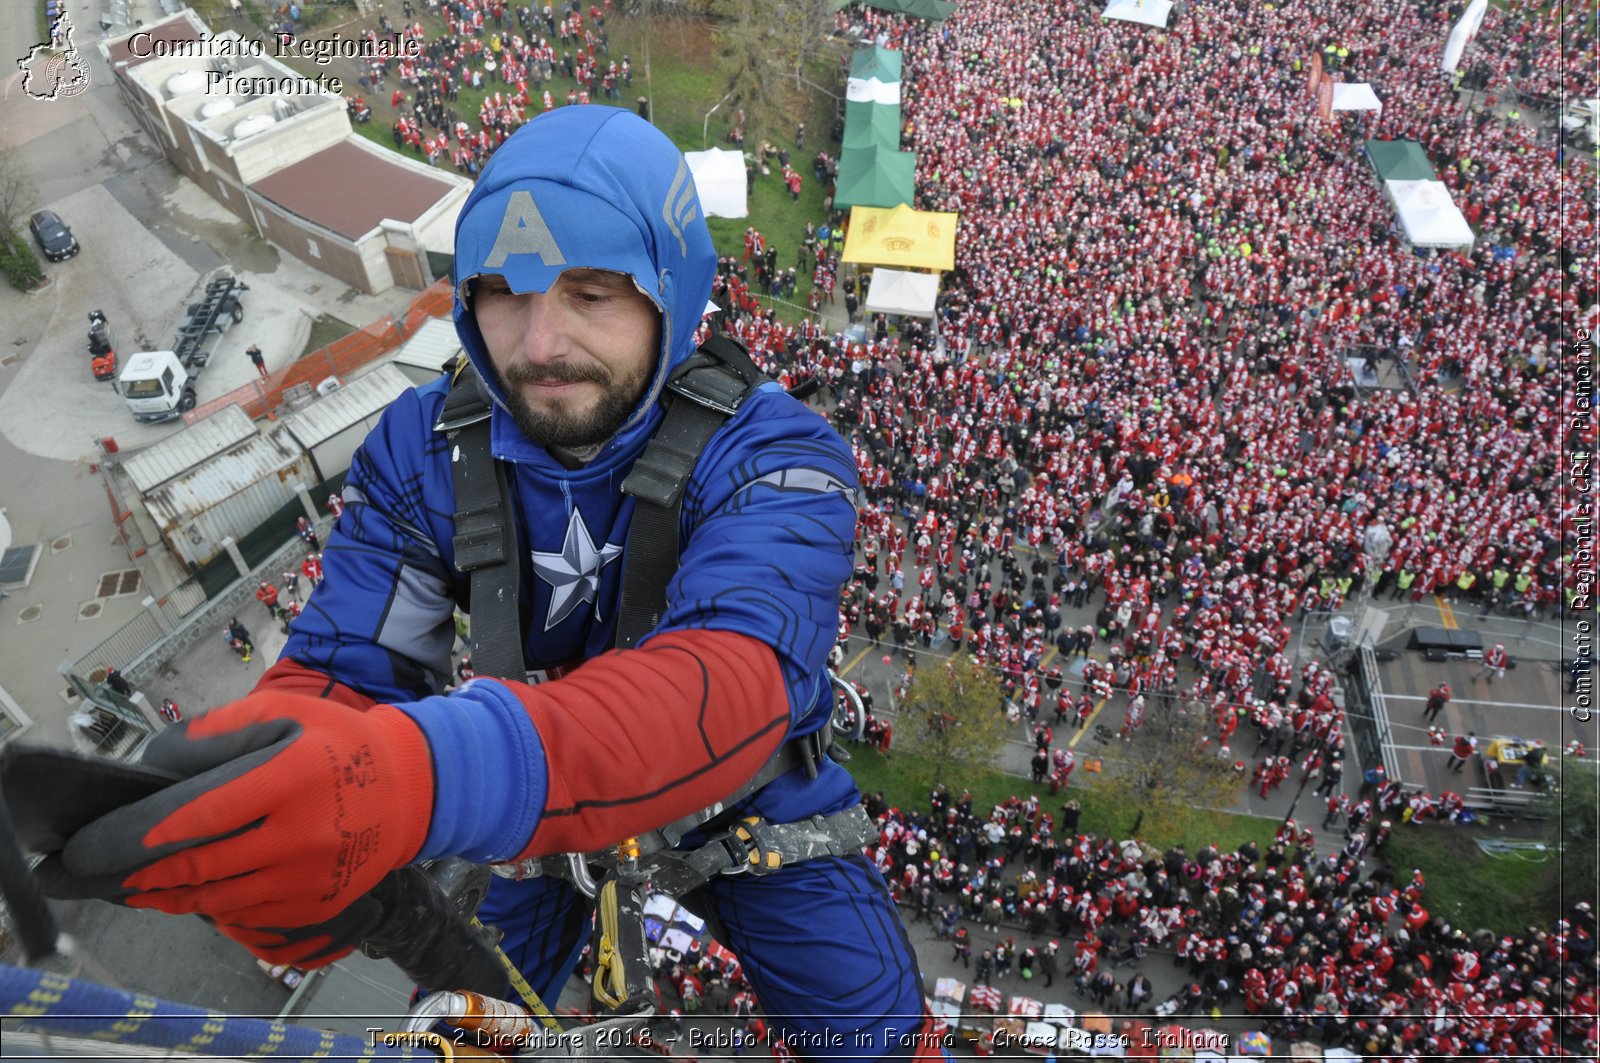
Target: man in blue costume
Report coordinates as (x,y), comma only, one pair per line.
(582,268)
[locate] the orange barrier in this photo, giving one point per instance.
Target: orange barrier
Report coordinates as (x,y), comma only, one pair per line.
(341,358)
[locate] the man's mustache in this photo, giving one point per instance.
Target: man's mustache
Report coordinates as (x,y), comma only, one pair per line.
(555,374)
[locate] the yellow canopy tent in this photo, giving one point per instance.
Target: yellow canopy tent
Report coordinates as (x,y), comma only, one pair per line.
(900,236)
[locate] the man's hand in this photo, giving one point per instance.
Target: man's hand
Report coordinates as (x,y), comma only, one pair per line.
(289,810)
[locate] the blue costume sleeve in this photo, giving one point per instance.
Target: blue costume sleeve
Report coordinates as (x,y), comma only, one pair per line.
(381,623)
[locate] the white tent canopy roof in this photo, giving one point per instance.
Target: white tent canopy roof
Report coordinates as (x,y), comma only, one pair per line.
(871,90)
(1148,12)
(719,178)
(1356,96)
(898,291)
(1428,214)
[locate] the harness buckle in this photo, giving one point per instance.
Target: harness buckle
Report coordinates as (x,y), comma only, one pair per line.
(757,850)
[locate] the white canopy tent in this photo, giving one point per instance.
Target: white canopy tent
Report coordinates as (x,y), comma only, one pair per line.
(719,178)
(1428,215)
(677,941)
(1461,35)
(1148,12)
(1355,96)
(871,90)
(661,906)
(898,291)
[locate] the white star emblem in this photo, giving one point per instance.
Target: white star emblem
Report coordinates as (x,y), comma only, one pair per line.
(574,573)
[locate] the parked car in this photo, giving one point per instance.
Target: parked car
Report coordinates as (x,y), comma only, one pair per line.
(53,236)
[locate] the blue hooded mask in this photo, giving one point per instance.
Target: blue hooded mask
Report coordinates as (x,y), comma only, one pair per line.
(596,188)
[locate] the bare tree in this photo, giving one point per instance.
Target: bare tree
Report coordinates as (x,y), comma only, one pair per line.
(1171,779)
(763,50)
(16,191)
(953,716)
(804,27)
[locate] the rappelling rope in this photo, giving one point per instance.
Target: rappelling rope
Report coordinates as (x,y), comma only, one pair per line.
(54,1003)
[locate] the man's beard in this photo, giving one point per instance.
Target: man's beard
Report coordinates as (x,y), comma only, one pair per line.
(577,430)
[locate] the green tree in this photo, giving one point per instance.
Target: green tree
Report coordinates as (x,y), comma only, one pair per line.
(1171,779)
(747,59)
(952,717)
(18,261)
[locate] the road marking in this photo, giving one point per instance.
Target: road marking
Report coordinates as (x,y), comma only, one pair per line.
(857,658)
(1471,701)
(1087,724)
(1447,615)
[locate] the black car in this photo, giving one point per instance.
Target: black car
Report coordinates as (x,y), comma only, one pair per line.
(53,236)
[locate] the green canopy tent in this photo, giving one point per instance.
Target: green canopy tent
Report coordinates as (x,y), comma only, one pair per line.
(932,10)
(874,62)
(1400,160)
(875,177)
(871,125)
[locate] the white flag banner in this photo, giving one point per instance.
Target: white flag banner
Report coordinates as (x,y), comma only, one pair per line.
(1147,12)
(871,90)
(1461,35)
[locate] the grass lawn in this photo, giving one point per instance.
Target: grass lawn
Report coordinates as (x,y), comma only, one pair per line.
(1470,888)
(907,781)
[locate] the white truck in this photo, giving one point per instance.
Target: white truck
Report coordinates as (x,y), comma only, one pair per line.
(160,385)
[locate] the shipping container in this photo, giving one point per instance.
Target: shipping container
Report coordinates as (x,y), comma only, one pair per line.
(331,428)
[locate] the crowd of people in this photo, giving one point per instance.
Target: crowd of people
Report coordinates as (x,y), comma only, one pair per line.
(1340,948)
(1141,395)
(284,603)
(1138,395)
(524,59)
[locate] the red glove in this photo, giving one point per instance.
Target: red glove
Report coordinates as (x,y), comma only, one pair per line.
(290,809)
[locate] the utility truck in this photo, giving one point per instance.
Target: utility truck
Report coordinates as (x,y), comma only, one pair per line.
(160,385)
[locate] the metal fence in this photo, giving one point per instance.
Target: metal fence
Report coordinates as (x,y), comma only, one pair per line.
(341,358)
(1526,639)
(152,640)
(1366,713)
(125,644)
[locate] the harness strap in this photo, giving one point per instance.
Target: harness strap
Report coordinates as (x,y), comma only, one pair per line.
(748,846)
(716,379)
(754,846)
(485,541)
